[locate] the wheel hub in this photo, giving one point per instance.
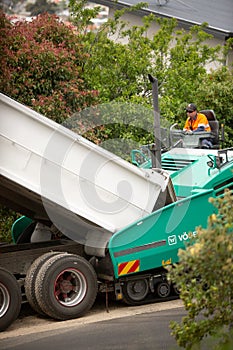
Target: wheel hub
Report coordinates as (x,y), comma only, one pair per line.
(137,290)
(4,300)
(70,287)
(138,287)
(65,286)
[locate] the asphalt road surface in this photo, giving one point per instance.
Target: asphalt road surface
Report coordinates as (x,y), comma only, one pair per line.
(148,330)
(111,326)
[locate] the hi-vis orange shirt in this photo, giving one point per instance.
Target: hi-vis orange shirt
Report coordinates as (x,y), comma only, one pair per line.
(200,122)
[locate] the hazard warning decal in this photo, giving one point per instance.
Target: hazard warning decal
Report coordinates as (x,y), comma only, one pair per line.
(128,267)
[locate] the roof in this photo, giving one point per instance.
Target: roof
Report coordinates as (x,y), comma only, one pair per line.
(218,14)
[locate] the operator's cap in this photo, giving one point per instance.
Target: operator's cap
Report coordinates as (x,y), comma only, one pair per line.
(191,107)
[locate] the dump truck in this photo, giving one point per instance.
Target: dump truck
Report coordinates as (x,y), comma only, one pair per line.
(91,221)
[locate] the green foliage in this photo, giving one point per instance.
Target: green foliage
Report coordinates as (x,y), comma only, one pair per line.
(117,126)
(119,71)
(204,277)
(186,70)
(217,88)
(7,218)
(82,14)
(58,70)
(119,68)
(41,66)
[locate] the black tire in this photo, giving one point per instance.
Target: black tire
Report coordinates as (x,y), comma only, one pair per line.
(30,280)
(10,299)
(163,289)
(66,286)
(26,235)
(135,291)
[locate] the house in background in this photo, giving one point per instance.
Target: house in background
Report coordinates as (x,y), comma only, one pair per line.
(217,14)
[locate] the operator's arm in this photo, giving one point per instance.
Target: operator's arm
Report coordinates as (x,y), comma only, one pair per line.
(186,128)
(199,129)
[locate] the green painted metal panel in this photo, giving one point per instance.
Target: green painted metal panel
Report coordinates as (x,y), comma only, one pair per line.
(156,238)
(19,226)
(189,171)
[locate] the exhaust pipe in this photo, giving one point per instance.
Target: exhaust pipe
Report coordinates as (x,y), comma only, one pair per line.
(156,148)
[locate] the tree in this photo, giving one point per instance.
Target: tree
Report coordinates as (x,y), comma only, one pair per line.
(217,90)
(204,277)
(177,58)
(41,66)
(7,218)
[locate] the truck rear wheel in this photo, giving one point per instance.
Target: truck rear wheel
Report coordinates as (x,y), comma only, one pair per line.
(66,286)
(135,291)
(10,299)
(30,280)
